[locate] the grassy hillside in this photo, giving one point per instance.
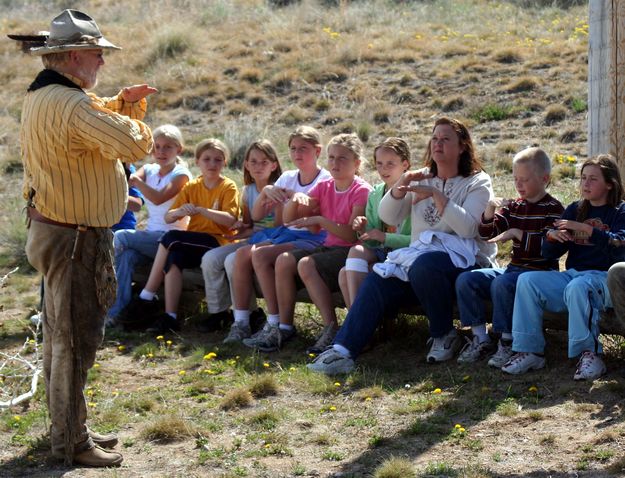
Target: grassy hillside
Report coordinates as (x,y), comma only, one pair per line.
(514,71)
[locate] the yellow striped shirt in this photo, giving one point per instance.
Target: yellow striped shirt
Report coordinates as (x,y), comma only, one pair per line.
(72,142)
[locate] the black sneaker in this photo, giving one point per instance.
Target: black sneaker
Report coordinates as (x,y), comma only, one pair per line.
(217,321)
(162,324)
(257,319)
(139,313)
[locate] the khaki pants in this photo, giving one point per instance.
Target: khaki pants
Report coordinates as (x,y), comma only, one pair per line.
(73,328)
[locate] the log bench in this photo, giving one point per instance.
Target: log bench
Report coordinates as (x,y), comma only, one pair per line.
(193,294)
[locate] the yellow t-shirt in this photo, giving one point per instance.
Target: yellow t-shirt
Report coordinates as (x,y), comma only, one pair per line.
(223,197)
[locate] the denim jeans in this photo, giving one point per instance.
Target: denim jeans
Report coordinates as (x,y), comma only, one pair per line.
(583,293)
(132,247)
(498,285)
(431,284)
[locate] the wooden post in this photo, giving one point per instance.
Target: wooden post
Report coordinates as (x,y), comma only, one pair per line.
(606,79)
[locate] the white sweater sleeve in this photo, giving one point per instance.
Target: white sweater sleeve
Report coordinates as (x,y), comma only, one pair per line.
(394,211)
(465,219)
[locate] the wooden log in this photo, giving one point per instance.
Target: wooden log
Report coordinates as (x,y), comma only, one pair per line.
(193,292)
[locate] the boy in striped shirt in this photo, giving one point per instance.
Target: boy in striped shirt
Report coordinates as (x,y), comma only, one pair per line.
(523,220)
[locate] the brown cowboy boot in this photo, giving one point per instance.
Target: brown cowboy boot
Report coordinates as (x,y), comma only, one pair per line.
(98,457)
(105,441)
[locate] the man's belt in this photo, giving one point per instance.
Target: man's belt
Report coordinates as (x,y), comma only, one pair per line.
(35,215)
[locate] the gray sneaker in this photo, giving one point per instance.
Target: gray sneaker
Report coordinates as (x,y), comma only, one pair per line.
(237,333)
(443,348)
(331,362)
(474,350)
(324,340)
(501,357)
(270,338)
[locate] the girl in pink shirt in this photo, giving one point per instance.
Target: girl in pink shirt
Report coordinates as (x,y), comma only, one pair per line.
(331,205)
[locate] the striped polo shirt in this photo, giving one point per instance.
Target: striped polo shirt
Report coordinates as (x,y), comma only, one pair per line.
(72,143)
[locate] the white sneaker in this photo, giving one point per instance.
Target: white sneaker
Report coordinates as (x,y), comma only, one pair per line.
(237,333)
(443,348)
(331,362)
(502,356)
(589,367)
(35,319)
(474,350)
(523,362)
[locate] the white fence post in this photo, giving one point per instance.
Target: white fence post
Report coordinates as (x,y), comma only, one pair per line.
(606,79)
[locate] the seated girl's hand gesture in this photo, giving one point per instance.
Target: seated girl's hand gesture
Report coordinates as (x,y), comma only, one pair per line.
(359,224)
(373,235)
(301,199)
(575,226)
(276,195)
(313,223)
(240,230)
(187,210)
(134,180)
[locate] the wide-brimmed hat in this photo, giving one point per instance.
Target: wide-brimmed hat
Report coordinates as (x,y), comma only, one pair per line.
(73,30)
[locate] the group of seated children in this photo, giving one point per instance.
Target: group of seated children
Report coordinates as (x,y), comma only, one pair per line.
(424,237)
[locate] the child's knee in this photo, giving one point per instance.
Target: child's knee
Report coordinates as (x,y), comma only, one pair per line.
(357,252)
(306,268)
(285,263)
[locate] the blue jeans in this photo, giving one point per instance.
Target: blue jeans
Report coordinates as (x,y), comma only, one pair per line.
(431,284)
(132,248)
(583,293)
(497,285)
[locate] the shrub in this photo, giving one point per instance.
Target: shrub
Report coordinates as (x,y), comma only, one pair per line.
(491,112)
(452,104)
(526,83)
(507,55)
(554,114)
(167,429)
(263,386)
(237,398)
(169,44)
(395,467)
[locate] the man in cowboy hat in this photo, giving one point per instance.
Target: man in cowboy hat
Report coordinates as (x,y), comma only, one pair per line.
(74,182)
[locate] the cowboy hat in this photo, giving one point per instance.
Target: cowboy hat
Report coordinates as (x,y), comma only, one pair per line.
(73,30)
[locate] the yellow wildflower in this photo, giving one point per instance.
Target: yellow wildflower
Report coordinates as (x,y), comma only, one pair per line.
(210,356)
(96,365)
(265,364)
(337,384)
(533,389)
(182,373)
(160,337)
(121,348)
(437,390)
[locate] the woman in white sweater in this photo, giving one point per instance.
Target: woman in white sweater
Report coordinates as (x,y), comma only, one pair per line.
(446,200)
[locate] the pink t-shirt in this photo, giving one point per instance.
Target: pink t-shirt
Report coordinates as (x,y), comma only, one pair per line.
(338,205)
